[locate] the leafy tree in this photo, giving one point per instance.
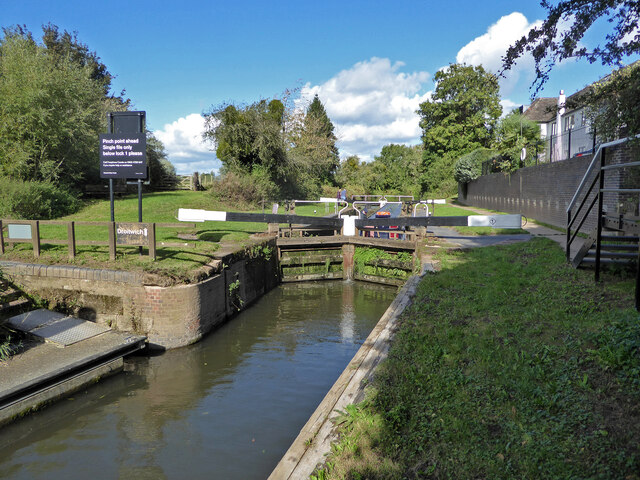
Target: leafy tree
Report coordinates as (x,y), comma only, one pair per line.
(397,170)
(161,171)
(294,150)
(66,46)
(513,133)
(614,103)
(248,137)
(51,112)
(350,171)
(469,166)
(560,35)
(313,151)
(460,117)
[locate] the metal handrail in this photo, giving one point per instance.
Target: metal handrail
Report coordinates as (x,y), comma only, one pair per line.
(592,165)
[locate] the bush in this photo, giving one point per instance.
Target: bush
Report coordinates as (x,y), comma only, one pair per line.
(34,200)
(469,166)
(245,190)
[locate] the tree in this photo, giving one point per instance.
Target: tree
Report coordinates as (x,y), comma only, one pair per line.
(513,133)
(161,171)
(459,117)
(51,113)
(559,37)
(614,103)
(291,150)
(397,170)
(249,137)
(313,144)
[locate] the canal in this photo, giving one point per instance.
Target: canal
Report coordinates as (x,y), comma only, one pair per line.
(225,408)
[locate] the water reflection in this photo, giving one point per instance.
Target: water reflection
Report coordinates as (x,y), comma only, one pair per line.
(227,407)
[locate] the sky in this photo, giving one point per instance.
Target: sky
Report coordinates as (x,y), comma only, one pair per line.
(370,62)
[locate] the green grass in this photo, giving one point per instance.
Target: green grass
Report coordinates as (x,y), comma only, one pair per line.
(159,207)
(509,364)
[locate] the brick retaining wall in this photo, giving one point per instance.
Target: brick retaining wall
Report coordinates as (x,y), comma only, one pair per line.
(171,316)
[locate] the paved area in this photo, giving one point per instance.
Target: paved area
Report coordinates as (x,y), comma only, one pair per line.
(534,230)
(43,361)
(61,354)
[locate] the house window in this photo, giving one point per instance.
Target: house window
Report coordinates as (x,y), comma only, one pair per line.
(568,122)
(553,129)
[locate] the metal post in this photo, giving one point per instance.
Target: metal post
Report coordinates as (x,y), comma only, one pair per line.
(567,247)
(111,198)
(110,130)
(140,207)
(600,203)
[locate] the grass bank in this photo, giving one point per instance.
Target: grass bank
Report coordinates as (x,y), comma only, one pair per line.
(509,364)
(159,207)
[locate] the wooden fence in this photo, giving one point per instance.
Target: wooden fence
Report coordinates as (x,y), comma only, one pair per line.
(139,234)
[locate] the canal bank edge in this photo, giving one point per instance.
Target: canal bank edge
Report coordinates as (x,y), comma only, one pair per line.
(313,443)
(169,316)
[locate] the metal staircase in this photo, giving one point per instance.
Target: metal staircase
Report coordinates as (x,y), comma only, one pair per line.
(615,239)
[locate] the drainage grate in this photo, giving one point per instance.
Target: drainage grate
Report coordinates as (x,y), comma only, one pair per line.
(68,331)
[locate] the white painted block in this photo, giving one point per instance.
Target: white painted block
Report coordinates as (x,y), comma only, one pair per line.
(194,215)
(495,221)
(349,226)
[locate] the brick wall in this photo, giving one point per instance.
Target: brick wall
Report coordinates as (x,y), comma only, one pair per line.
(543,192)
(171,316)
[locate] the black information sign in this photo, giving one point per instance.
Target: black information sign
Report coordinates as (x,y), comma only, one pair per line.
(123,155)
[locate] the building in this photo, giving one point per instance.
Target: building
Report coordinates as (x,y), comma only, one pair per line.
(573,137)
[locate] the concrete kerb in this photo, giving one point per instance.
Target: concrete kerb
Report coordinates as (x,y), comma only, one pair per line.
(313,443)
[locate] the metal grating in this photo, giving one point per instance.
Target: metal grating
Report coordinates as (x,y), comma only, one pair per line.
(68,331)
(37,318)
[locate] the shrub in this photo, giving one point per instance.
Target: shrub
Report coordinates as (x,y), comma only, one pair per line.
(469,166)
(245,190)
(34,200)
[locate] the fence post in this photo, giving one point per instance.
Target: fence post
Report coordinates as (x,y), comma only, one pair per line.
(35,237)
(152,241)
(112,240)
(71,237)
(1,239)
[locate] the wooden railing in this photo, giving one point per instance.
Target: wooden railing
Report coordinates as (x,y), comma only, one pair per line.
(11,233)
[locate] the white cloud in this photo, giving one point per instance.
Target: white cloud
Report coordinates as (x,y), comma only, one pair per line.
(182,140)
(371,105)
(488,49)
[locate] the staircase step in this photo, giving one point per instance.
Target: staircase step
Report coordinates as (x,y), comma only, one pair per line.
(618,246)
(606,254)
(621,238)
(608,261)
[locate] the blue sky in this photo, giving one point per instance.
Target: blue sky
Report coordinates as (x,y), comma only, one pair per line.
(371,62)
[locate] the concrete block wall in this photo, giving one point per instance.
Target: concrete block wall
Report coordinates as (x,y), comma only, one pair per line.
(170,317)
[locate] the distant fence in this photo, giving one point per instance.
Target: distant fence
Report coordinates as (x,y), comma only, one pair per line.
(129,234)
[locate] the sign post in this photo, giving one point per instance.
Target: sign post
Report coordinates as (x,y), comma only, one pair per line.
(123,152)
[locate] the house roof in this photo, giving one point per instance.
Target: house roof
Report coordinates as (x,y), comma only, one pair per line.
(542,110)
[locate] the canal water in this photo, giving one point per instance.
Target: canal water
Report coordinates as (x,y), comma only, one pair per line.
(225,408)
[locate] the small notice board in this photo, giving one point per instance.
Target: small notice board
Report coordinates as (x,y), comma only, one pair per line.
(123,155)
(135,234)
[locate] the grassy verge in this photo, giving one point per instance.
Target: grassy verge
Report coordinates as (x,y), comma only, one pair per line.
(160,207)
(509,364)
(452,211)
